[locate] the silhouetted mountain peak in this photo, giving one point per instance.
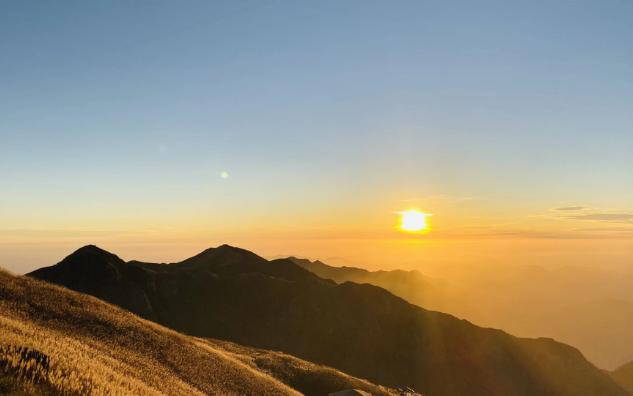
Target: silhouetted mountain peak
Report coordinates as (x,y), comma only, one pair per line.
(95,251)
(226,259)
(87,266)
(89,258)
(222,248)
(222,256)
(91,269)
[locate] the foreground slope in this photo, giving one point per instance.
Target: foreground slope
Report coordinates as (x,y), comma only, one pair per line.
(53,340)
(233,294)
(297,373)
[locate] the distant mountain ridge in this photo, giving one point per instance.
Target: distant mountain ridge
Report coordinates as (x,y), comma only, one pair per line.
(233,294)
(591,309)
(411,285)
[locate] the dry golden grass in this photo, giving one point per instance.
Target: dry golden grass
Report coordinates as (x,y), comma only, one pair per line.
(307,377)
(56,341)
(68,343)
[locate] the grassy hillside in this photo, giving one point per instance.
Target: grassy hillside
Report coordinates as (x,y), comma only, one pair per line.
(53,340)
(297,373)
(233,294)
(12,385)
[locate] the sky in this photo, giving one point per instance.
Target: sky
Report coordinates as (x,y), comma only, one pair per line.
(156,129)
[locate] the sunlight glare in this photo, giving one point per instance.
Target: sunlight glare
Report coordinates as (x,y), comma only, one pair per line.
(413,220)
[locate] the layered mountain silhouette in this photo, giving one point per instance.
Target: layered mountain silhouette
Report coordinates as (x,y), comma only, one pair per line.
(589,308)
(412,285)
(54,341)
(233,294)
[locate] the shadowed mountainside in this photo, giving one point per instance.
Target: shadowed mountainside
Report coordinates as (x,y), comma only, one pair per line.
(233,294)
(591,309)
(601,328)
(624,376)
(56,341)
(413,286)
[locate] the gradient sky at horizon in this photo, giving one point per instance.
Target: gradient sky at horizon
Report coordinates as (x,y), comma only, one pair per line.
(118,119)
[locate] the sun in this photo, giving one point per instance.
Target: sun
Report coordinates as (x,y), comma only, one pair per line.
(413,220)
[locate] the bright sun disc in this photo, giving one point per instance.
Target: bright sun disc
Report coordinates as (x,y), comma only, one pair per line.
(413,220)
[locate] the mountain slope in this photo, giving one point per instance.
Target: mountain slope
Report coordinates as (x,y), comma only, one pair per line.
(591,309)
(624,376)
(296,373)
(601,328)
(66,342)
(413,286)
(233,294)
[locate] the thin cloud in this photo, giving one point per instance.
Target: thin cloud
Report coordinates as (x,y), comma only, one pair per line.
(571,208)
(610,217)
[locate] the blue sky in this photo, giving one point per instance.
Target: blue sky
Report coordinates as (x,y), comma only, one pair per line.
(123,114)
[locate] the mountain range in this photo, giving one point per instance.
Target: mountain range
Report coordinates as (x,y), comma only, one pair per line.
(589,308)
(232,294)
(54,341)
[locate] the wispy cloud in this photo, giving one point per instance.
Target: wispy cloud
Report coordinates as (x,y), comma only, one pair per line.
(610,217)
(588,213)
